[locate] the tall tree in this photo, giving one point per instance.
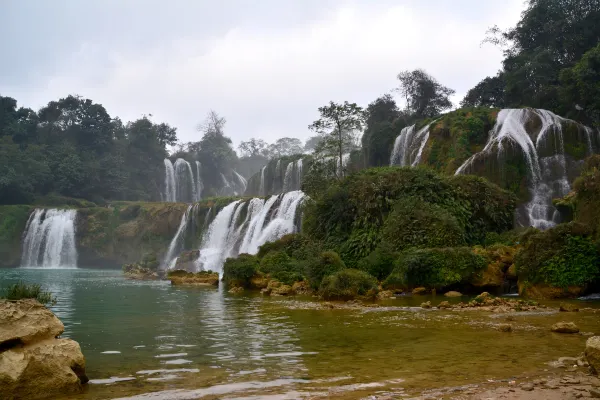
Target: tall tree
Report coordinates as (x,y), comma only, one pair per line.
(381,130)
(487,93)
(425,97)
(285,146)
(253,147)
(215,154)
(338,126)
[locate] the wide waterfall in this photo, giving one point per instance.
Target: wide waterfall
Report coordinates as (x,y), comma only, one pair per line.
(229,234)
(409,145)
(49,239)
(544,156)
(180,183)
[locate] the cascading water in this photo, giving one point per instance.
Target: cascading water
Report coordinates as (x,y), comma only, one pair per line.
(176,245)
(242,183)
(228,237)
(409,145)
(544,155)
(287,179)
(199,184)
(170,186)
(298,174)
(261,190)
(49,239)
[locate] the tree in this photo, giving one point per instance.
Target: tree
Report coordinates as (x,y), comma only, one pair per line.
(425,97)
(381,130)
(487,93)
(253,147)
(285,147)
(216,154)
(338,126)
(312,143)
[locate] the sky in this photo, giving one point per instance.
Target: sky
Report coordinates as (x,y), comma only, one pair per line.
(265,65)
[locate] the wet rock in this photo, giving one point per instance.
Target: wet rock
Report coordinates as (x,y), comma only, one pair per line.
(33,363)
(567,307)
(592,353)
(549,292)
(565,327)
(490,277)
(137,271)
(236,290)
(385,294)
(187,260)
(426,305)
(453,294)
(301,288)
(505,327)
(511,273)
(444,304)
(419,291)
(482,297)
(527,387)
(283,290)
(184,278)
(259,282)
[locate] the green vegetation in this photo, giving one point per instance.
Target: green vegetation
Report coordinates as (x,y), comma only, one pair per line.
(435,268)
(21,290)
(12,224)
(326,264)
(238,271)
(348,284)
(562,256)
(280,266)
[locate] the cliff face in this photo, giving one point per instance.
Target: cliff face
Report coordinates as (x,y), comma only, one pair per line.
(12,223)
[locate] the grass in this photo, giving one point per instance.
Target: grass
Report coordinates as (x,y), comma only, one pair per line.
(19,291)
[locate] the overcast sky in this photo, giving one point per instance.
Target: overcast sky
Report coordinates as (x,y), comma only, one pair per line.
(266,65)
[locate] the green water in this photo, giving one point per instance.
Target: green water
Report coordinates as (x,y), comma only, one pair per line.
(220,344)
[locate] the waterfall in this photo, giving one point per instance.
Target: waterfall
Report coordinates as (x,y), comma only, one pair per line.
(185,183)
(170,193)
(409,145)
(176,245)
(544,155)
(243,183)
(199,184)
(49,239)
(287,179)
(261,190)
(298,175)
(264,221)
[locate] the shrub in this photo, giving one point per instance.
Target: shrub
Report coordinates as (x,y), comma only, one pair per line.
(562,256)
(435,268)
(510,238)
(327,263)
(295,245)
(281,267)
(21,290)
(348,284)
(238,271)
(587,187)
(379,263)
(416,223)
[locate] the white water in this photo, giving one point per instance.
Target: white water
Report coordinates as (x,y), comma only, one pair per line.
(228,237)
(176,245)
(409,145)
(287,179)
(261,190)
(545,158)
(242,183)
(293,176)
(180,183)
(49,239)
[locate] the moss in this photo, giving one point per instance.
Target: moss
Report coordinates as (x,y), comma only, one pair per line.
(239,271)
(12,224)
(326,263)
(417,223)
(435,268)
(58,201)
(348,284)
(563,256)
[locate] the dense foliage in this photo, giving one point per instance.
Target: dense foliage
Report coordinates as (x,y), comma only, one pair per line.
(348,284)
(238,271)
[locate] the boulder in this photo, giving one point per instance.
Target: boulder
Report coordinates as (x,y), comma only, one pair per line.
(33,363)
(540,291)
(482,298)
(26,321)
(426,305)
(592,353)
(444,304)
(259,282)
(385,294)
(282,290)
(511,273)
(567,307)
(505,327)
(419,291)
(236,290)
(301,287)
(184,278)
(565,327)
(490,277)
(187,260)
(453,294)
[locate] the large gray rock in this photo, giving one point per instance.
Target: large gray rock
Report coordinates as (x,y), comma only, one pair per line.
(34,364)
(592,353)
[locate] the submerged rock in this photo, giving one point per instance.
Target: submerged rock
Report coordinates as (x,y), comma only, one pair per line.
(453,294)
(565,327)
(567,307)
(34,364)
(592,353)
(137,271)
(203,278)
(419,291)
(236,290)
(282,290)
(505,327)
(426,305)
(444,304)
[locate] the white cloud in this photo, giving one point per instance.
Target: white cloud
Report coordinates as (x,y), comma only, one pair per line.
(269,83)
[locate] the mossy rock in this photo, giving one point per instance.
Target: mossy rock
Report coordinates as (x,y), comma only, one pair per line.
(348,284)
(185,278)
(239,271)
(325,264)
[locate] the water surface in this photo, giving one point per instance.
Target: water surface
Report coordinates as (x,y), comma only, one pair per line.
(141,337)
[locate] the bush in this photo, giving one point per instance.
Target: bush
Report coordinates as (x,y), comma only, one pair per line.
(20,291)
(587,187)
(510,238)
(281,267)
(238,271)
(416,223)
(435,268)
(348,284)
(562,256)
(379,263)
(295,245)
(328,262)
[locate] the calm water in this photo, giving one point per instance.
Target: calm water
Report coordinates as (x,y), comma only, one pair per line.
(181,343)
